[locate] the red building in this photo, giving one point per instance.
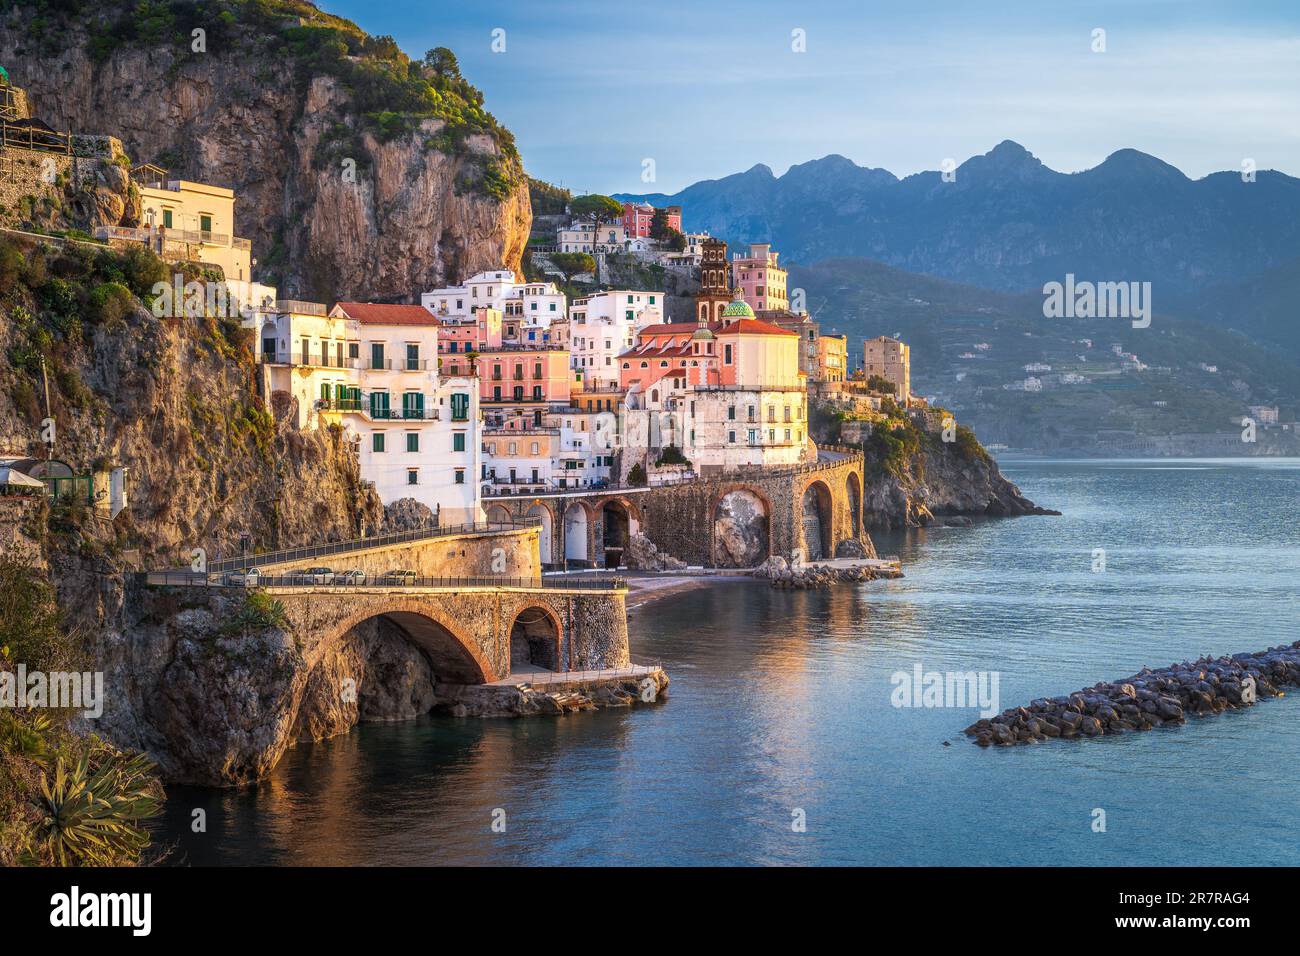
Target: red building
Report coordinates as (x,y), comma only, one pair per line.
(637,217)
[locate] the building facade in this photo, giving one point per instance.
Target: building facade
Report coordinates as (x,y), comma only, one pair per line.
(892,361)
(759,278)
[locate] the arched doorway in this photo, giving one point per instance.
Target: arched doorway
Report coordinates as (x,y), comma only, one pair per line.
(534,640)
(855,504)
(499,514)
(544,538)
(741,530)
(818,542)
(575,535)
(617,532)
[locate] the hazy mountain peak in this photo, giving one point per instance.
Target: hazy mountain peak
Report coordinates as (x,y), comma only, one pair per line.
(1006,158)
(1135,164)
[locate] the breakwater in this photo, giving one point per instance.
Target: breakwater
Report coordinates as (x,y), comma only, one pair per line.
(1150,698)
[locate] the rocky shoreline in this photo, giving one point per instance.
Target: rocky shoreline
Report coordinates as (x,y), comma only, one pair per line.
(1150,698)
(777,571)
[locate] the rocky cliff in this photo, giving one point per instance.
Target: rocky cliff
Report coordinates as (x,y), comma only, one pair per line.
(358,173)
(175,403)
(917,470)
(939,480)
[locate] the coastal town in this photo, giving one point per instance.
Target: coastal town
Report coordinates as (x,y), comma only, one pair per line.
(301,514)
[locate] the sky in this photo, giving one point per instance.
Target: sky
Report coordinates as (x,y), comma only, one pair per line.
(705,88)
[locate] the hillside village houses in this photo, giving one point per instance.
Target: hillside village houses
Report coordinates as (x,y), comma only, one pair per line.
(496,386)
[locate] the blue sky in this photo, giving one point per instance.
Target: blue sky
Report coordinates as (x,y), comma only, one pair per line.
(708,88)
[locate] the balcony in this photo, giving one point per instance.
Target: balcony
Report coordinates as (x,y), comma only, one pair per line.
(362,406)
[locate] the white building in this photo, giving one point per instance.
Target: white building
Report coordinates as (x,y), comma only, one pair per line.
(604,325)
(373,370)
(416,431)
(577,237)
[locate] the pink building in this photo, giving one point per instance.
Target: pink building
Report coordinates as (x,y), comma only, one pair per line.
(461,335)
(517,379)
(637,217)
(759,278)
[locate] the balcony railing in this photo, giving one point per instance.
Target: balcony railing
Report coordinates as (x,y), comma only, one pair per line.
(363,407)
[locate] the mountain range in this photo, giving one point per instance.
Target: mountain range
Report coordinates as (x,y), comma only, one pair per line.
(1005,221)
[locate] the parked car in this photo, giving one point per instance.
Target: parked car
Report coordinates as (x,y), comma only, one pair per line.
(399,577)
(243,578)
(353,577)
(315,576)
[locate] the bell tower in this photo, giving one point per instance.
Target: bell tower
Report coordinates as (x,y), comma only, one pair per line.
(715,282)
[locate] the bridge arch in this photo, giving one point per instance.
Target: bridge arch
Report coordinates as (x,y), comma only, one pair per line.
(546,536)
(742,527)
(454,658)
(815,516)
(619,520)
(498,514)
(577,533)
(535,639)
(854,488)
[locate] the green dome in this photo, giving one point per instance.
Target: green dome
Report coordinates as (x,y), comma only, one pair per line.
(738,309)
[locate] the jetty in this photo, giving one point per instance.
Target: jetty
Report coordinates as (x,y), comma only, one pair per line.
(1150,698)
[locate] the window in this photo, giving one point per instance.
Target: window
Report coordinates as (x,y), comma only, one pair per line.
(354,350)
(376,354)
(205,223)
(460,476)
(537,370)
(377,442)
(412,405)
(413,476)
(460,404)
(537,393)
(535,448)
(413,441)
(379,405)
(458,441)
(726,353)
(731,437)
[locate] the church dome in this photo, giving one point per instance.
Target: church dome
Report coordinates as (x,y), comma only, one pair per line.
(738,308)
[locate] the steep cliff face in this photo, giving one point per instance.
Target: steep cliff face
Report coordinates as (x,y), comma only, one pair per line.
(939,480)
(340,198)
(175,403)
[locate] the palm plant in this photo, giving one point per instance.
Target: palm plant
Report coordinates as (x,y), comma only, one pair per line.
(90,817)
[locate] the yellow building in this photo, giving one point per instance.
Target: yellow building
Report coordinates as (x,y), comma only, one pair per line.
(891,360)
(832,358)
(198,216)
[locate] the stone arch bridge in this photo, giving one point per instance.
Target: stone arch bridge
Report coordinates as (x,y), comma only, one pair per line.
(736,519)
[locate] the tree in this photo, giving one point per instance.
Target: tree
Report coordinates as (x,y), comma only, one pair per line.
(443,63)
(599,209)
(636,476)
(659,228)
(676,241)
(573,263)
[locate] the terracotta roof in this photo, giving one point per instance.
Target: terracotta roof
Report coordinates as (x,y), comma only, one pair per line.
(377,313)
(753,327)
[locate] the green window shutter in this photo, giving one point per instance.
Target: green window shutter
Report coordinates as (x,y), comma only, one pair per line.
(458,441)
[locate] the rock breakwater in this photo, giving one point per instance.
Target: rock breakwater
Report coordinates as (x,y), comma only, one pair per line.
(778,572)
(1150,698)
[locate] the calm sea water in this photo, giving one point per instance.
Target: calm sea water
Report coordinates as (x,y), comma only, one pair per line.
(781,701)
